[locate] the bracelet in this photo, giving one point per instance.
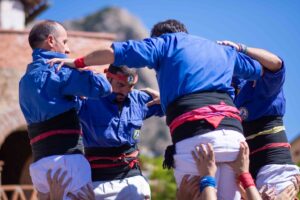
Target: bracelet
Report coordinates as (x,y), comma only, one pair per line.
(242,48)
(79,62)
(207,181)
(246,180)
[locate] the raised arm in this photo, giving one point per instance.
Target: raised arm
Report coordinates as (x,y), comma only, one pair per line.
(104,55)
(132,53)
(267,59)
(206,164)
(154,94)
(241,168)
(85,83)
(151,98)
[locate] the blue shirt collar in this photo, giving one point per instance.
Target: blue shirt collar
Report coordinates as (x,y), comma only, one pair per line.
(45,54)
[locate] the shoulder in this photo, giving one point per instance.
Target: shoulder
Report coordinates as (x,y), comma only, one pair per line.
(139,96)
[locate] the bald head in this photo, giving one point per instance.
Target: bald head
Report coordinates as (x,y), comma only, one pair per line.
(49,35)
(41,31)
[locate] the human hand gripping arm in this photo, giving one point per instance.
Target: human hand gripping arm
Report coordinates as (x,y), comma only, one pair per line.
(151,103)
(154,94)
(205,161)
(241,168)
(267,59)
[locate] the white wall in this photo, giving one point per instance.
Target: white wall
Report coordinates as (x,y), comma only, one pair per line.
(12,15)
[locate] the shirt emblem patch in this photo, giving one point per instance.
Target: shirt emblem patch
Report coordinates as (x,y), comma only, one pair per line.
(136,134)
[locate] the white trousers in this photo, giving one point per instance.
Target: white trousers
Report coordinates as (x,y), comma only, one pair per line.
(76,166)
(226,144)
(132,188)
(277,176)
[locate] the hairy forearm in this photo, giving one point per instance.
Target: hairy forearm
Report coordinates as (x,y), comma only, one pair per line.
(267,59)
(252,193)
(104,55)
(209,193)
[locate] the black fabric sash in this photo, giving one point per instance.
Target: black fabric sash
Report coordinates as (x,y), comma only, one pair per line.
(59,135)
(106,156)
(197,100)
(189,129)
(274,155)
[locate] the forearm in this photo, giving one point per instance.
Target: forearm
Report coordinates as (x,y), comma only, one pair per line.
(207,186)
(209,193)
(248,184)
(265,58)
(104,55)
(252,193)
(86,83)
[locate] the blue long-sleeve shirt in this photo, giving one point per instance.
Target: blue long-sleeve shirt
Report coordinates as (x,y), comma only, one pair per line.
(44,93)
(263,98)
(186,64)
(104,125)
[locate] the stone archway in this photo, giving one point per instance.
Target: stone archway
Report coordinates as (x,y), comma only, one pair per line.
(16,154)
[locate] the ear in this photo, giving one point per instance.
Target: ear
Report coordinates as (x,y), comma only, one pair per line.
(109,79)
(131,87)
(50,40)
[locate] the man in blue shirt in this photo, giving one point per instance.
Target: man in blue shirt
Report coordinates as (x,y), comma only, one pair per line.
(262,106)
(49,104)
(194,77)
(111,130)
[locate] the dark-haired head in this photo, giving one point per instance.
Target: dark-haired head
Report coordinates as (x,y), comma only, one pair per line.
(124,70)
(122,80)
(168,26)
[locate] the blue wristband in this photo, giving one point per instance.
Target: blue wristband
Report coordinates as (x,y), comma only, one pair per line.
(207,181)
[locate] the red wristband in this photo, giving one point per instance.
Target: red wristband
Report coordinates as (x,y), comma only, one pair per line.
(246,180)
(79,62)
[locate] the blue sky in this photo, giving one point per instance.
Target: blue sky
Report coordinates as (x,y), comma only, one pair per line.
(270,24)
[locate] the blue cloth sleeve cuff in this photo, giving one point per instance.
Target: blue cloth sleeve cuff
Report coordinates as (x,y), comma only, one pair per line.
(118,53)
(258,70)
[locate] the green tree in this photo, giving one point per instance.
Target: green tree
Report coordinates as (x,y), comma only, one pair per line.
(162,181)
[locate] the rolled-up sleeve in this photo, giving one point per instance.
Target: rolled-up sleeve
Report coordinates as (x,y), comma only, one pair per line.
(246,67)
(149,111)
(273,81)
(138,54)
